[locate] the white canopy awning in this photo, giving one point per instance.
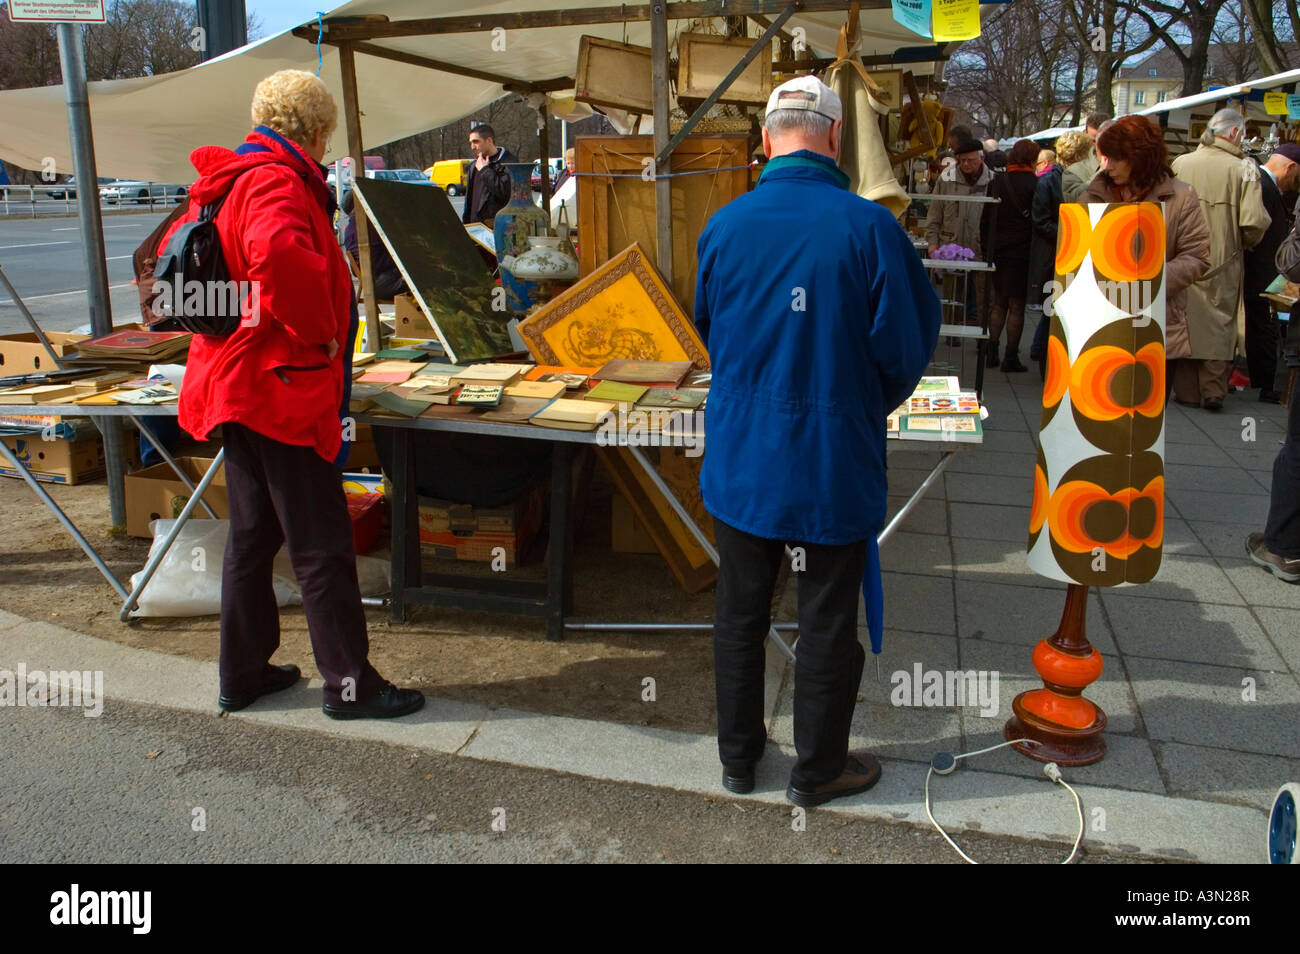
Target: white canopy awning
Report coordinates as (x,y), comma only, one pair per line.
(146,128)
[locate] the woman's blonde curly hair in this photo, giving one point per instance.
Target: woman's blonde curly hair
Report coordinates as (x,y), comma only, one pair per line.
(1073,147)
(295,104)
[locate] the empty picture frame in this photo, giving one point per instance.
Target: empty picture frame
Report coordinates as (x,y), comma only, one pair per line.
(442,267)
(623,309)
(614,74)
(705,59)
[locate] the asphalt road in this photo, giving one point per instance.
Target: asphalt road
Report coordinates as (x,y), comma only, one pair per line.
(43,258)
(124,787)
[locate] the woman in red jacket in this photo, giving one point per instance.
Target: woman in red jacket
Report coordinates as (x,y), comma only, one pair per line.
(275,387)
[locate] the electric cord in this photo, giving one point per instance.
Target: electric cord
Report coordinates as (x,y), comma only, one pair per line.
(945,763)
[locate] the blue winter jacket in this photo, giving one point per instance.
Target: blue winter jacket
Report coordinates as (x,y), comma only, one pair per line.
(819,321)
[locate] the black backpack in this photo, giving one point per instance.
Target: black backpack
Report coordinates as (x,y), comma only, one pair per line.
(192,261)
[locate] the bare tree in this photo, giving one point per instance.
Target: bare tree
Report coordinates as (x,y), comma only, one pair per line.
(1110,33)
(1195,20)
(1264,16)
(1234,44)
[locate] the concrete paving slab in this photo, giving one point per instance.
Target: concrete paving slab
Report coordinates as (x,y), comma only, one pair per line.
(1016,442)
(928,516)
(1181,539)
(1196,453)
(919,604)
(1204,705)
(1022,615)
(1196,505)
(1010,491)
(1264,478)
(1008,464)
(989,521)
(1190,632)
(1258,586)
(1209,480)
(992,561)
(1129,763)
(903,482)
(1226,539)
(1283,628)
(924,553)
(1224,775)
(1192,579)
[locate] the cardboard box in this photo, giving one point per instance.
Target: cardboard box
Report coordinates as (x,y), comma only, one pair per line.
(460,532)
(24,353)
(157,492)
(59,461)
(411,321)
(626,533)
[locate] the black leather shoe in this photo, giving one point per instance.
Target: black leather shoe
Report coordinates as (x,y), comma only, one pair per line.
(1270,397)
(861,771)
(388,703)
(738,780)
(1212,404)
(274,679)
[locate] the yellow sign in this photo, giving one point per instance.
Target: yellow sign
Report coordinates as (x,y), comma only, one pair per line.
(1275,104)
(956,20)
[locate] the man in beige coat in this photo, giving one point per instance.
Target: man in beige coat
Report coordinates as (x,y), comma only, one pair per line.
(1227,184)
(959,222)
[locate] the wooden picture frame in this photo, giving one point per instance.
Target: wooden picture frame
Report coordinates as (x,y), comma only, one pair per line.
(616,202)
(891,86)
(705,59)
(614,74)
(688,562)
(624,309)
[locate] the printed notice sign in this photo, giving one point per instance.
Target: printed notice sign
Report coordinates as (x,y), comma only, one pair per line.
(57,11)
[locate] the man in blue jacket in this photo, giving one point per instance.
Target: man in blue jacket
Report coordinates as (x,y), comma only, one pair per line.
(819,320)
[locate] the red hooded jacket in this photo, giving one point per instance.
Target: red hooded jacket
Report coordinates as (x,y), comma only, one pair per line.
(273,375)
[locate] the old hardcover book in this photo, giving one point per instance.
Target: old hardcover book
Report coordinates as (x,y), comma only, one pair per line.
(657,373)
(480,395)
(491,373)
(571,376)
(536,389)
(964,428)
(964,402)
(402,354)
(617,392)
(400,405)
(514,410)
(572,415)
(942,384)
(384,377)
(362,397)
(100,382)
(682,398)
(38,394)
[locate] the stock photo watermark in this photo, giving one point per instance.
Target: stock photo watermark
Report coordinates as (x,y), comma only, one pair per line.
(36,688)
(946,689)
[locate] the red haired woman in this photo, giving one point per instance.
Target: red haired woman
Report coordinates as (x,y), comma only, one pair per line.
(1135,168)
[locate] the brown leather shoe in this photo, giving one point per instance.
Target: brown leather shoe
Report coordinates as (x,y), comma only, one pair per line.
(1279,566)
(860,773)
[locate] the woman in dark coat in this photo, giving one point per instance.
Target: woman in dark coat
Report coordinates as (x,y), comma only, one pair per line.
(1006,233)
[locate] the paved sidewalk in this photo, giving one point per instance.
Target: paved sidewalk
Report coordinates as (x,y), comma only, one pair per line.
(1192,766)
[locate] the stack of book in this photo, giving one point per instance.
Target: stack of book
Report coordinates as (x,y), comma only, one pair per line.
(131,347)
(938,410)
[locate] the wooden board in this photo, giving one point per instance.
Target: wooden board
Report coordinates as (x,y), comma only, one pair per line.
(686,559)
(705,59)
(616,206)
(442,266)
(614,74)
(621,310)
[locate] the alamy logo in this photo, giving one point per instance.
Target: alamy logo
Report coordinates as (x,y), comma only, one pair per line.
(934,688)
(210,299)
(82,690)
(74,907)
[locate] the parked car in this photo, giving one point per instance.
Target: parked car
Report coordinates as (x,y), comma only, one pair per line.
(68,190)
(399,175)
(556,166)
(121,190)
(450,174)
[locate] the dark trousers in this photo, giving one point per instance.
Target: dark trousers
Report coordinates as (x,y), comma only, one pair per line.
(828,668)
(279,494)
(1261,341)
(1282,532)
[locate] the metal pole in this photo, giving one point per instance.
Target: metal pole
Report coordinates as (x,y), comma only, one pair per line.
(352,125)
(663,160)
(915,499)
(72,61)
(171,461)
(660,627)
(155,559)
(63,519)
(545,142)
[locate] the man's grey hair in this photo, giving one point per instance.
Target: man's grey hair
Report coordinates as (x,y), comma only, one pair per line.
(1222,123)
(803,122)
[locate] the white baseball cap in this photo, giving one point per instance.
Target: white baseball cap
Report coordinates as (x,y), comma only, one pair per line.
(807,92)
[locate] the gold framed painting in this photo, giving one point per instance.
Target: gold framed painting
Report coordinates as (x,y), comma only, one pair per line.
(623,309)
(891,82)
